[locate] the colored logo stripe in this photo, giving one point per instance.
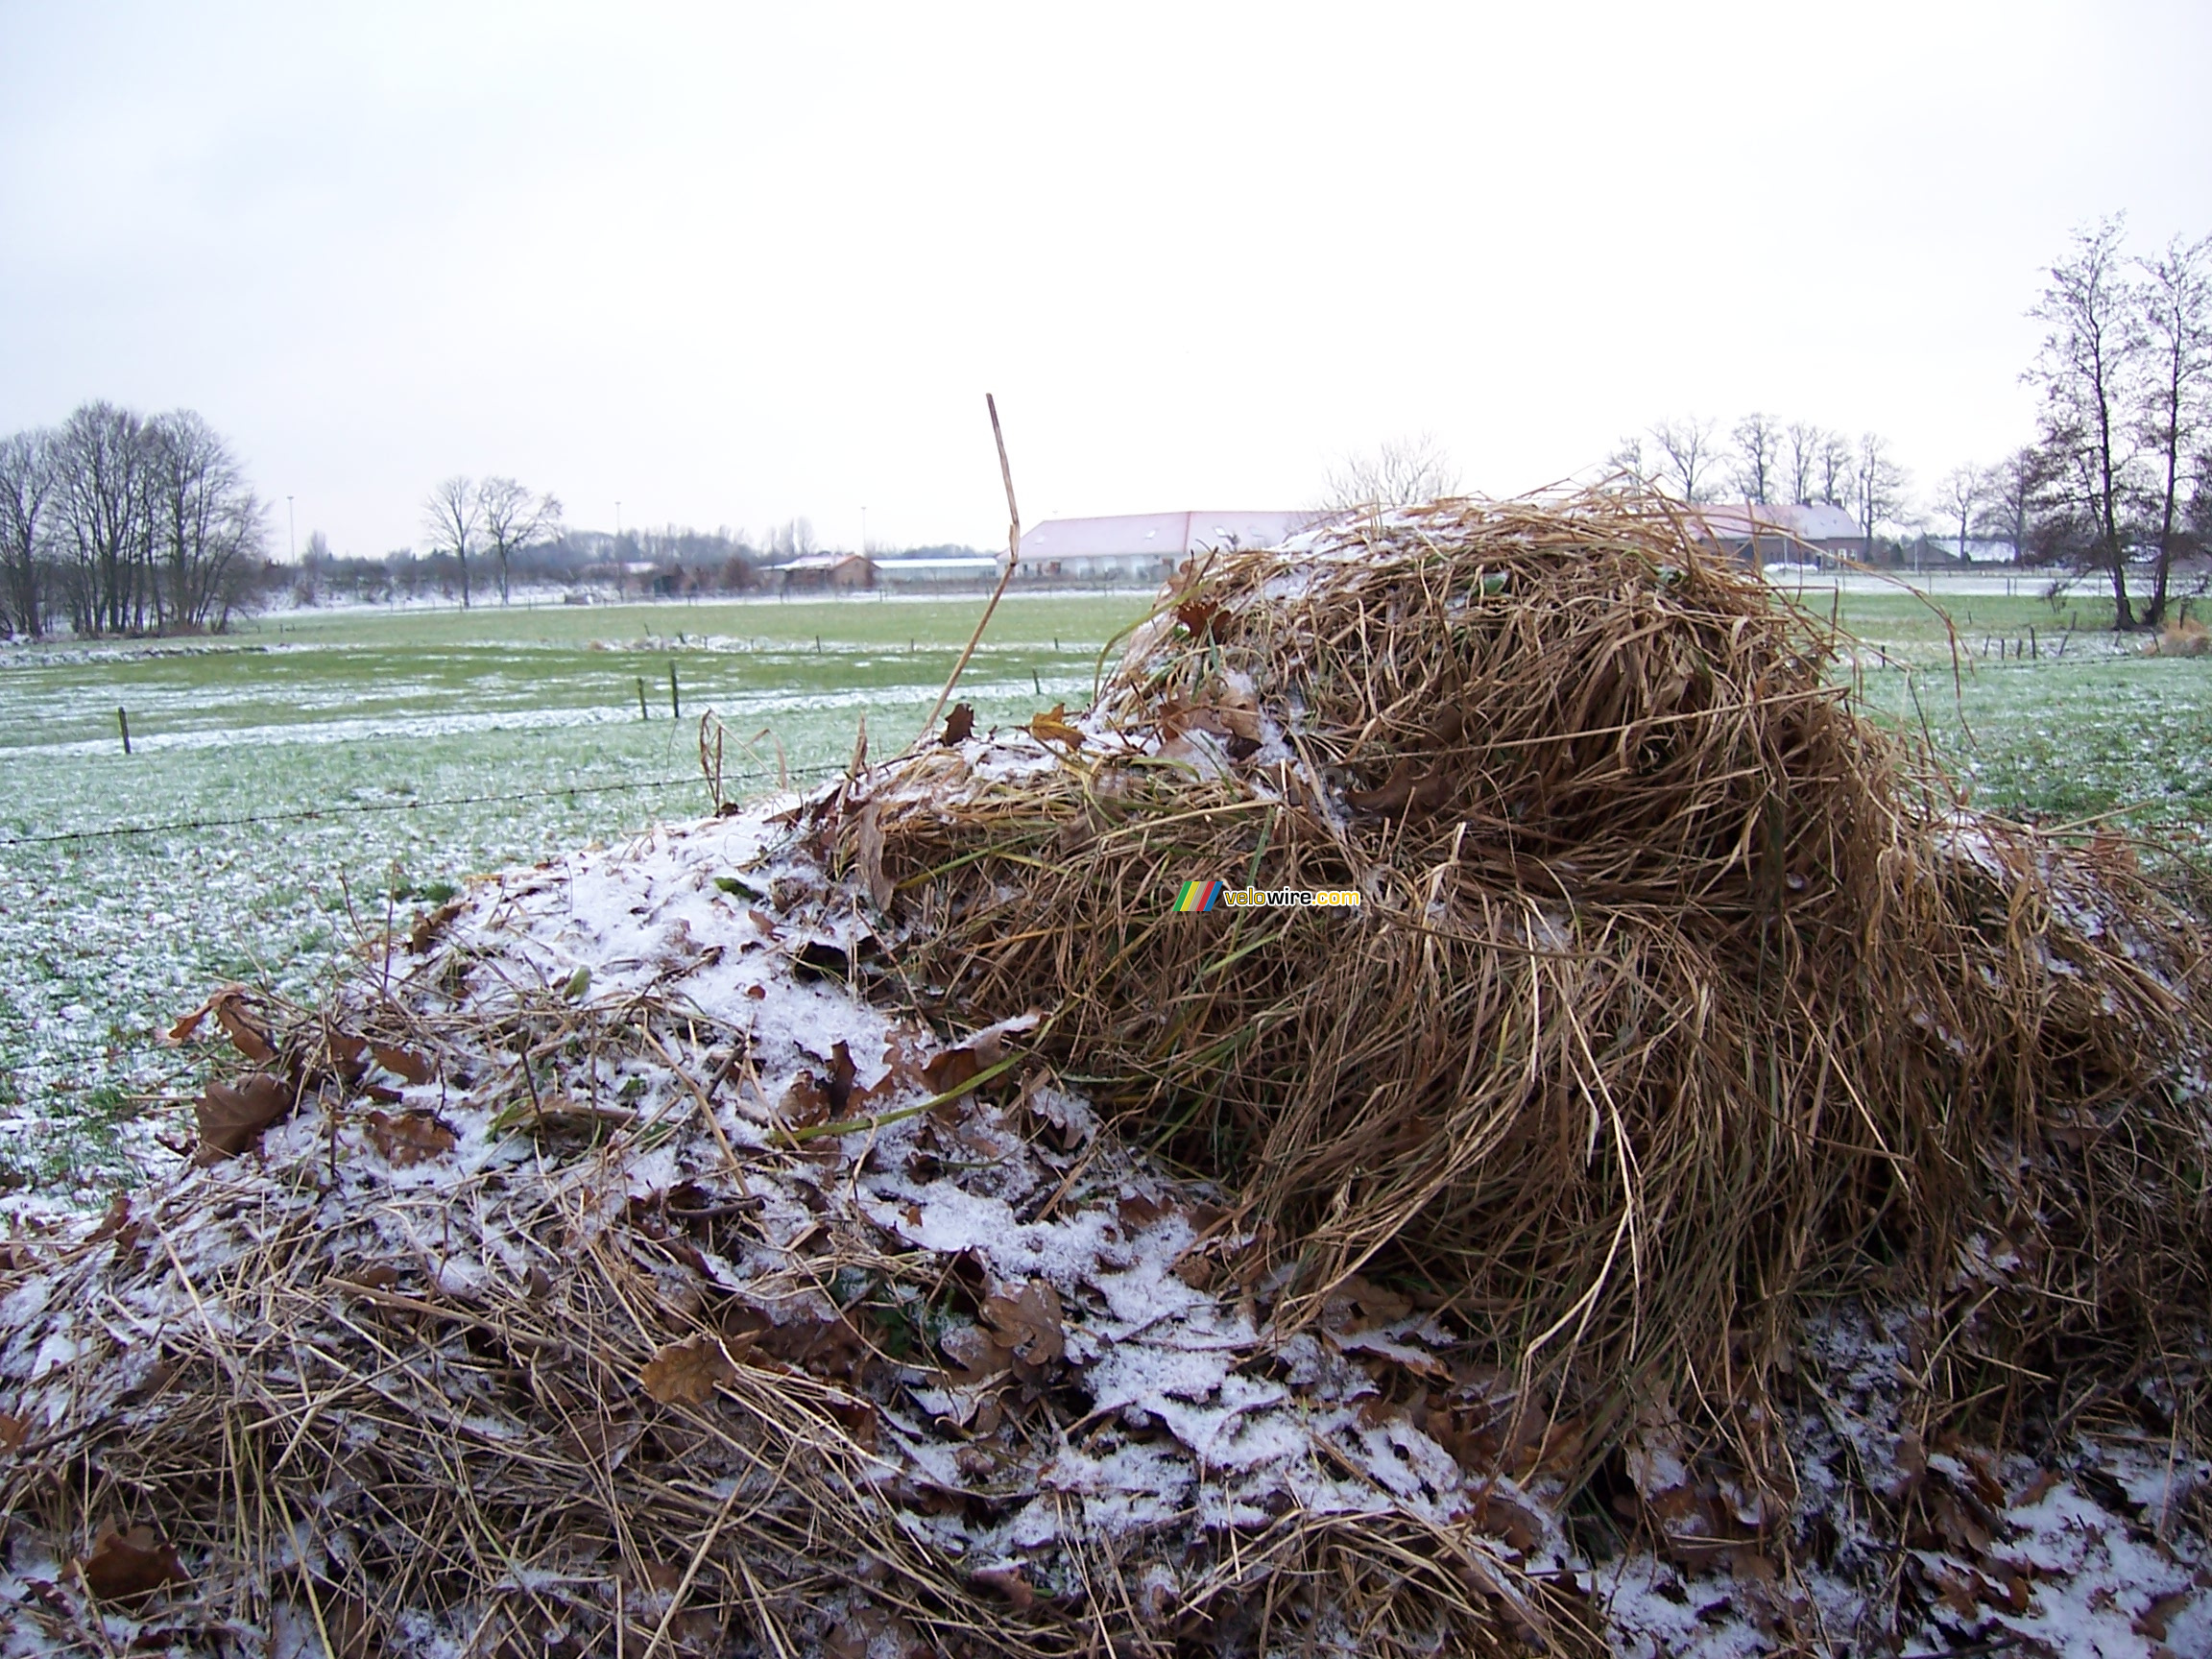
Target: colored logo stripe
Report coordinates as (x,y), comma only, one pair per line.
(1197,895)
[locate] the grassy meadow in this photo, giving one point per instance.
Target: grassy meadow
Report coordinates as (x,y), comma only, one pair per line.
(299,781)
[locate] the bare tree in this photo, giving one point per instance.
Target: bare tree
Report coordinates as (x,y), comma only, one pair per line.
(1627,461)
(1960,494)
(1686,456)
(514,518)
(2009,496)
(206,521)
(1758,456)
(2176,297)
(2087,367)
(26,485)
(1401,472)
(1837,465)
(452,515)
(1801,463)
(1879,484)
(103,463)
(793,539)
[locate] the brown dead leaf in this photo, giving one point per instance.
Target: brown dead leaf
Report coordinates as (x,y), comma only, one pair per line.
(975,1354)
(1753,1566)
(403,1062)
(1138,1212)
(128,1566)
(187,1024)
(13,1431)
(1201,616)
(427,926)
(115,1223)
(806,1103)
(960,725)
(1912,1460)
(1959,1525)
(1502,1517)
(1027,1324)
(408,1138)
(2160,1614)
(687,1373)
(232,1114)
(349,1054)
(1009,1582)
(1958,1589)
(951,1069)
(1054,726)
(245,1033)
(1357,1304)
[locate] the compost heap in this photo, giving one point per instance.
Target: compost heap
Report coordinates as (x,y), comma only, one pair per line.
(1714,1193)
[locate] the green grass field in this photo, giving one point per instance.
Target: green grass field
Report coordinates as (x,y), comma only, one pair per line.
(295,781)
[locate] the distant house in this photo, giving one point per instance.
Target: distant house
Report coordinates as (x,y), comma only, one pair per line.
(825,573)
(1144,547)
(1771,533)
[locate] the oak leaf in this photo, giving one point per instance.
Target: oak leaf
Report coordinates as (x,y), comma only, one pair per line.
(232,1114)
(1027,1324)
(1054,726)
(687,1373)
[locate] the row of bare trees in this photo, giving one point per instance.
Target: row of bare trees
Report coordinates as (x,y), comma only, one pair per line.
(2121,471)
(497,515)
(1768,460)
(124,523)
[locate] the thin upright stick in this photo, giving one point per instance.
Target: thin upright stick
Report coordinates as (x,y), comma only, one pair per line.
(1013,553)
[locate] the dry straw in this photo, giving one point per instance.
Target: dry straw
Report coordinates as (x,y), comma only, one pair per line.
(1681,991)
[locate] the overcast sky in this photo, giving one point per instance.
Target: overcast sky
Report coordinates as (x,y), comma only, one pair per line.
(730,264)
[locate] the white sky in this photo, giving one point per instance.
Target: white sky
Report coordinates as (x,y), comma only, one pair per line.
(729,264)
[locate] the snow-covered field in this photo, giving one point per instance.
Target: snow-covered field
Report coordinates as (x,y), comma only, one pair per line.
(283,791)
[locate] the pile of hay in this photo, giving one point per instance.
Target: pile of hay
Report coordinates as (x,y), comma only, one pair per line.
(599,1274)
(2187,637)
(1679,991)
(1714,1190)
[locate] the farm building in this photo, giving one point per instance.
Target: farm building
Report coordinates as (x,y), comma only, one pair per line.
(825,573)
(1144,547)
(1771,533)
